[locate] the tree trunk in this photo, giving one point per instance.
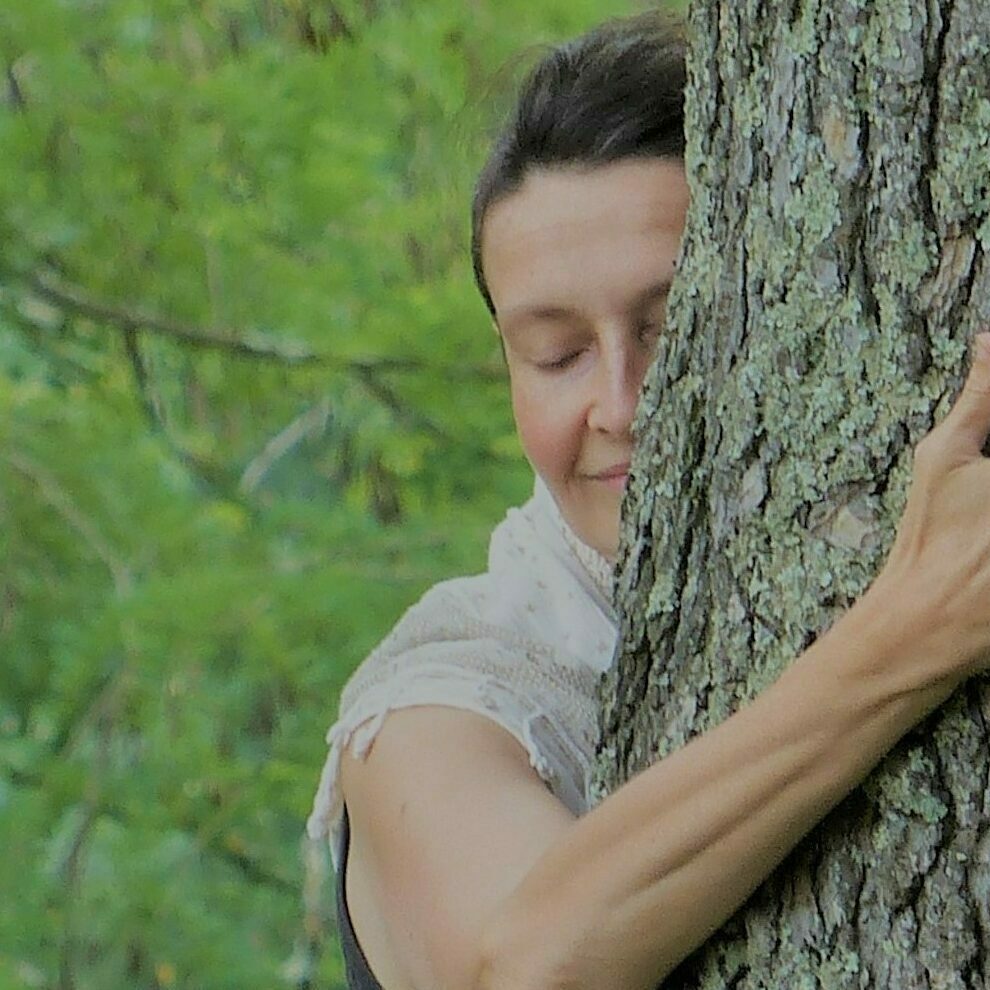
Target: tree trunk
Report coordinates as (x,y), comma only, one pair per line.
(834,269)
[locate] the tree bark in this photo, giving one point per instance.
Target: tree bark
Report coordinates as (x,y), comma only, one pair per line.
(834,269)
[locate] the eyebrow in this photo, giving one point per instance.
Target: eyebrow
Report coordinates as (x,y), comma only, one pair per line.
(526,312)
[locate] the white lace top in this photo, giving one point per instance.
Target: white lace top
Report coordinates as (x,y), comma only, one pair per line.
(523,644)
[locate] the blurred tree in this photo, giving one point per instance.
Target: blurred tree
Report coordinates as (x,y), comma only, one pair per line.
(835,267)
(236,314)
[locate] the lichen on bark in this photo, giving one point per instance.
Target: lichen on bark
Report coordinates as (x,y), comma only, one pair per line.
(833,270)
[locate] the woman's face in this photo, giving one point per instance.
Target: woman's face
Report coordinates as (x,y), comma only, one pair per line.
(579,263)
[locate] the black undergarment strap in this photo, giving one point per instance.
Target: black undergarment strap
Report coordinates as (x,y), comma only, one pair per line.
(359,975)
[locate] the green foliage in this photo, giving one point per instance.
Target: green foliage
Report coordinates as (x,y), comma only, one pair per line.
(249,409)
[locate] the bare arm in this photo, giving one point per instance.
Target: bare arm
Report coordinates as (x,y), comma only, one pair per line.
(484,880)
(646,877)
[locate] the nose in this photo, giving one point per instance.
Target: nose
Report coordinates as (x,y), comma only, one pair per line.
(617,382)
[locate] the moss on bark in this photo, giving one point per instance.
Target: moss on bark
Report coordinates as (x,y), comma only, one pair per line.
(834,269)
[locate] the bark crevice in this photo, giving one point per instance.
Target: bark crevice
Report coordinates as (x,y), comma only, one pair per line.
(832,272)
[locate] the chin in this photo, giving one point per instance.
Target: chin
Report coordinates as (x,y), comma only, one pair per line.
(599,538)
(594,520)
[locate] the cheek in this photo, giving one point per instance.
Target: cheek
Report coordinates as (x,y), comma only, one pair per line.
(542,425)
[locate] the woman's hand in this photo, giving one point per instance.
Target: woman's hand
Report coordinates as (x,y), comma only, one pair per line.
(937,576)
(467,872)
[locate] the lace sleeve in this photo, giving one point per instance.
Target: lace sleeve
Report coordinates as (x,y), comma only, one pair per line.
(550,708)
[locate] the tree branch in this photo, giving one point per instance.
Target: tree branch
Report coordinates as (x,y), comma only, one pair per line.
(69,870)
(208,473)
(252,869)
(387,396)
(285,440)
(15,92)
(252,344)
(58,498)
(256,346)
(149,401)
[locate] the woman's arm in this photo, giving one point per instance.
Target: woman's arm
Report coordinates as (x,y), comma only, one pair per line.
(656,868)
(485,881)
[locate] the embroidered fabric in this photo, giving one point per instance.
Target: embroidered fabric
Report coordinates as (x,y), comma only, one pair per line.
(523,644)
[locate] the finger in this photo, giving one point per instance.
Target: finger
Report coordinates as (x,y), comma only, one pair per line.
(969,419)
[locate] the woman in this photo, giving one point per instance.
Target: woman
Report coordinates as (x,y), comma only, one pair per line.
(467,853)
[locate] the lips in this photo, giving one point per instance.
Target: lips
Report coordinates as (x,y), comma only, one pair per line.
(613,473)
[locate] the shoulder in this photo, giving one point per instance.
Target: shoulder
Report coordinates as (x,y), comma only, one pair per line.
(445,652)
(448,816)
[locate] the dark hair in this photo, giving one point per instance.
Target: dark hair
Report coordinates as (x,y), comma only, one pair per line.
(616,92)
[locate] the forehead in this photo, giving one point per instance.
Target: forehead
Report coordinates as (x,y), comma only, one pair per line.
(584,237)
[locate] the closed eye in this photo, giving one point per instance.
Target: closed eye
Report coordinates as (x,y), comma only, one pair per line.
(559,364)
(649,330)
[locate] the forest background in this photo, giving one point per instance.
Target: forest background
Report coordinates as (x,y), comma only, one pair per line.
(250,408)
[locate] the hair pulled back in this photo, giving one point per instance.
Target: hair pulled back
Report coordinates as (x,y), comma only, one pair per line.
(614,93)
